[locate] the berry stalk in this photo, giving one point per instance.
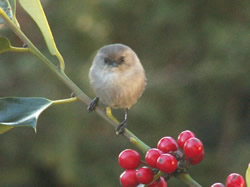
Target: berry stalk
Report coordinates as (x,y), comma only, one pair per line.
(187,179)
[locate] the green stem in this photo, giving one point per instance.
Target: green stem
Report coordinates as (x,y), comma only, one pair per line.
(187,179)
(25,40)
(65,101)
(19,49)
(61,61)
(12,26)
(156,177)
(136,141)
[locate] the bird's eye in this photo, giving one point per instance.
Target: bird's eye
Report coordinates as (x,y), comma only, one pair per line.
(122,59)
(106,60)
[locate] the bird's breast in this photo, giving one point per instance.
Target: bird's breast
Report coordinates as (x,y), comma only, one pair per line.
(118,89)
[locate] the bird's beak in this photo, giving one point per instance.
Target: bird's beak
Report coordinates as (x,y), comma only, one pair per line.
(114,64)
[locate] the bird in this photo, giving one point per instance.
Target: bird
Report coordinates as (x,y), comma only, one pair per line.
(117,78)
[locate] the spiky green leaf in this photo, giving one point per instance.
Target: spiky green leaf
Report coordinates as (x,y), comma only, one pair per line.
(21,111)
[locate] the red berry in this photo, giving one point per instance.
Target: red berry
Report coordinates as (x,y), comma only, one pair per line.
(152,156)
(144,175)
(235,180)
(167,144)
(198,159)
(217,185)
(128,178)
(183,137)
(193,148)
(159,183)
(129,159)
(167,163)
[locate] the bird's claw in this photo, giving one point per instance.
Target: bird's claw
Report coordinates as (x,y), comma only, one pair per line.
(120,129)
(93,104)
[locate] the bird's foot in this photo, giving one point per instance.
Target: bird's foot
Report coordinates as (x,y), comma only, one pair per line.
(93,104)
(120,129)
(73,94)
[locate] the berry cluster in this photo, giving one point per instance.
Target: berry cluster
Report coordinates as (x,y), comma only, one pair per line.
(233,180)
(170,156)
(130,160)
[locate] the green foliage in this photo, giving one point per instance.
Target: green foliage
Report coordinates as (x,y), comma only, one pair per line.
(17,112)
(248,175)
(4,44)
(35,10)
(13,8)
(5,5)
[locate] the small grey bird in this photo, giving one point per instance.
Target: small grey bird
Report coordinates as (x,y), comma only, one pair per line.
(117,78)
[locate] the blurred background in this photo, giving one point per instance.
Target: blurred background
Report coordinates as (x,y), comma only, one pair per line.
(195,54)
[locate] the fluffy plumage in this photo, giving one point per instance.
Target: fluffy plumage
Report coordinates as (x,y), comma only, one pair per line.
(117,76)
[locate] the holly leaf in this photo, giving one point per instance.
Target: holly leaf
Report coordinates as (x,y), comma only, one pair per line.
(21,111)
(248,175)
(5,5)
(35,10)
(4,44)
(13,7)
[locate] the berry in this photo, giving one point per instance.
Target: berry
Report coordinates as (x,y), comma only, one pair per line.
(235,180)
(198,159)
(167,144)
(129,159)
(144,175)
(159,183)
(217,185)
(193,148)
(152,156)
(183,137)
(128,178)
(167,163)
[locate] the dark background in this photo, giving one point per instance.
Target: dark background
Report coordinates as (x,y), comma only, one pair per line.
(195,54)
